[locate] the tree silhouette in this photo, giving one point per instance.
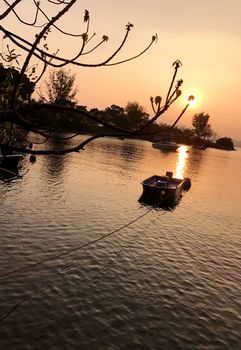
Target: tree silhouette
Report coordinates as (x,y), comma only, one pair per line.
(136,115)
(8,77)
(202,128)
(36,57)
(226,143)
(60,88)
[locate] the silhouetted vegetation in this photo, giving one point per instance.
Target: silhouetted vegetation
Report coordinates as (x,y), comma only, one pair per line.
(225,143)
(127,118)
(59,88)
(8,77)
(202,128)
(57,111)
(57,108)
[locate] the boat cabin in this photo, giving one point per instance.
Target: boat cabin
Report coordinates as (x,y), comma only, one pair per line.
(162,181)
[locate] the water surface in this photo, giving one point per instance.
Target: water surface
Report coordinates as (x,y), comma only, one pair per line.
(170,280)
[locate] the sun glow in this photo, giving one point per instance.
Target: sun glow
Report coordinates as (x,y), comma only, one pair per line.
(195,101)
(192,100)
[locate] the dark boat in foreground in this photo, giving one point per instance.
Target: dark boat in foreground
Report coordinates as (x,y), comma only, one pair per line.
(164,190)
(10,160)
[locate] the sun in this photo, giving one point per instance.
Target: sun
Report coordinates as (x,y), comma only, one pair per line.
(192,97)
(192,100)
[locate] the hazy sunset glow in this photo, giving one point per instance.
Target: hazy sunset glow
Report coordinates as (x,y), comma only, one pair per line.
(205,35)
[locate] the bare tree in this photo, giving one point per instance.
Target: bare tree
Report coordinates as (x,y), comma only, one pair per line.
(60,88)
(37,57)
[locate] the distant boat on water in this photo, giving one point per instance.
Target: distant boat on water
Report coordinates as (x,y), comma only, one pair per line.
(202,147)
(166,144)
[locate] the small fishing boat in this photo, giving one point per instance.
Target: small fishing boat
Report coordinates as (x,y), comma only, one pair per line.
(8,158)
(164,190)
(166,144)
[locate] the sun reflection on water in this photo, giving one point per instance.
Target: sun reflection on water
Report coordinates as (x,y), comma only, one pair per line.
(181,161)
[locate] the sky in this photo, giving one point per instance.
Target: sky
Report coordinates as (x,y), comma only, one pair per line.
(205,35)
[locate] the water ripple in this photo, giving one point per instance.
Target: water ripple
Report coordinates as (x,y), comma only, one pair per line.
(169,281)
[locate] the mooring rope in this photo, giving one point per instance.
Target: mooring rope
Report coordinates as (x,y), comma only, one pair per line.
(37,290)
(85,245)
(27,267)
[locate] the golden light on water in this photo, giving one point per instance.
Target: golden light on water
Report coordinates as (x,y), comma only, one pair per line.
(181,162)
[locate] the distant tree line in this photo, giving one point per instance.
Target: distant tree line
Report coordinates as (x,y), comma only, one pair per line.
(60,89)
(56,109)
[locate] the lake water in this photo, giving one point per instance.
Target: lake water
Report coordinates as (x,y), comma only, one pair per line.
(170,280)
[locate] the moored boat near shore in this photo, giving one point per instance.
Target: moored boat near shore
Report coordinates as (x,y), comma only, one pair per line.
(8,158)
(164,190)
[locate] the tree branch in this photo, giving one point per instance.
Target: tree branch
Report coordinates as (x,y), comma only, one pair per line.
(10,8)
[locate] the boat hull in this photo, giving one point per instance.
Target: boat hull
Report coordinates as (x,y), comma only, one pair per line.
(162,196)
(165,147)
(10,161)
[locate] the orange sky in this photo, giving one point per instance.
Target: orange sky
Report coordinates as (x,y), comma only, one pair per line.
(205,35)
